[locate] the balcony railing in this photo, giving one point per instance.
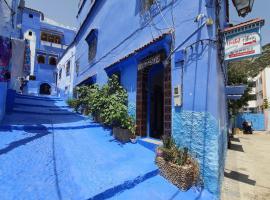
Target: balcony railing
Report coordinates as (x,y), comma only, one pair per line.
(55,45)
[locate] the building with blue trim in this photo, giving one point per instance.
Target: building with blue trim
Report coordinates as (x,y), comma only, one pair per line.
(45,41)
(66,68)
(48,40)
(168,55)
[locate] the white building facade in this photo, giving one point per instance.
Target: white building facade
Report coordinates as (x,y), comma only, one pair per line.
(66,68)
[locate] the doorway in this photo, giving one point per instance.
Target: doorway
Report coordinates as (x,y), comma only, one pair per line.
(155,104)
(45,89)
(153,98)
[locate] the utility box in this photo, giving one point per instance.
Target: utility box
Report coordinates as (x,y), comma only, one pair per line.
(177,96)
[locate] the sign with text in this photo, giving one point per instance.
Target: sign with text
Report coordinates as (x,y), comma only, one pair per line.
(152,60)
(242,45)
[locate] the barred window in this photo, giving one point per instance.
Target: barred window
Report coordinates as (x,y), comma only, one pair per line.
(146,4)
(91,40)
(77,67)
(60,74)
(68,68)
(92,50)
(48,37)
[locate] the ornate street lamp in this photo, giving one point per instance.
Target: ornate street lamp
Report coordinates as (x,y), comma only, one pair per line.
(243,7)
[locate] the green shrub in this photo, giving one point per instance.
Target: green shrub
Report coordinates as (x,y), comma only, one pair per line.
(74,103)
(108,103)
(172,153)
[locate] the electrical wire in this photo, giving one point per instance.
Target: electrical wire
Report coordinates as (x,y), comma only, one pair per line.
(162,15)
(110,52)
(145,25)
(9,7)
(172,16)
(180,45)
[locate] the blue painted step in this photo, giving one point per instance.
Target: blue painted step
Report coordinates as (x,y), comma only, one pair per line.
(41,106)
(43,113)
(47,127)
(149,143)
(38,98)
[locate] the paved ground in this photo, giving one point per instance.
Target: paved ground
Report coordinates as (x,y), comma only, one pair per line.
(48,152)
(247,171)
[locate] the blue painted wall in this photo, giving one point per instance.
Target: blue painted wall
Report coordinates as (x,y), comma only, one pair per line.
(3,92)
(200,123)
(258,120)
(8,28)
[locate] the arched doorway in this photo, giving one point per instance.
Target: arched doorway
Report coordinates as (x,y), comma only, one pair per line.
(45,89)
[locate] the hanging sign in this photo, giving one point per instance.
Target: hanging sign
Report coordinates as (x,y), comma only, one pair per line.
(243,40)
(243,45)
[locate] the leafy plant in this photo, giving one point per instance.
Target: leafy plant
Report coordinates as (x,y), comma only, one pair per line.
(74,103)
(167,141)
(240,71)
(108,103)
(171,153)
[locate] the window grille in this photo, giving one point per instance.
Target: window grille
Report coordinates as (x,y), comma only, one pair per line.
(60,74)
(47,37)
(147,4)
(68,68)
(77,67)
(91,40)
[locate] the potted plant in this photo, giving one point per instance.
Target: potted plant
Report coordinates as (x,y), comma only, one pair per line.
(126,131)
(176,164)
(108,105)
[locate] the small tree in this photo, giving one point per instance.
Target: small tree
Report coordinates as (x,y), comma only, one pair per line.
(238,75)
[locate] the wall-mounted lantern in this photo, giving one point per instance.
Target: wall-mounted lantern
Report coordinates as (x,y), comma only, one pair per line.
(243,7)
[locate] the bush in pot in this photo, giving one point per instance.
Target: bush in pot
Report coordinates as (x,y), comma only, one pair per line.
(115,111)
(109,106)
(177,165)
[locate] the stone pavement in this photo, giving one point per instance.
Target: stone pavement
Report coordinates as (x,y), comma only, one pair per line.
(49,152)
(247,170)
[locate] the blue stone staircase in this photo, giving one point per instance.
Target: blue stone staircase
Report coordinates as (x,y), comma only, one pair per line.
(49,152)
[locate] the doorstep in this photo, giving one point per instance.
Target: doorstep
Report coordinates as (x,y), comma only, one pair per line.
(150,143)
